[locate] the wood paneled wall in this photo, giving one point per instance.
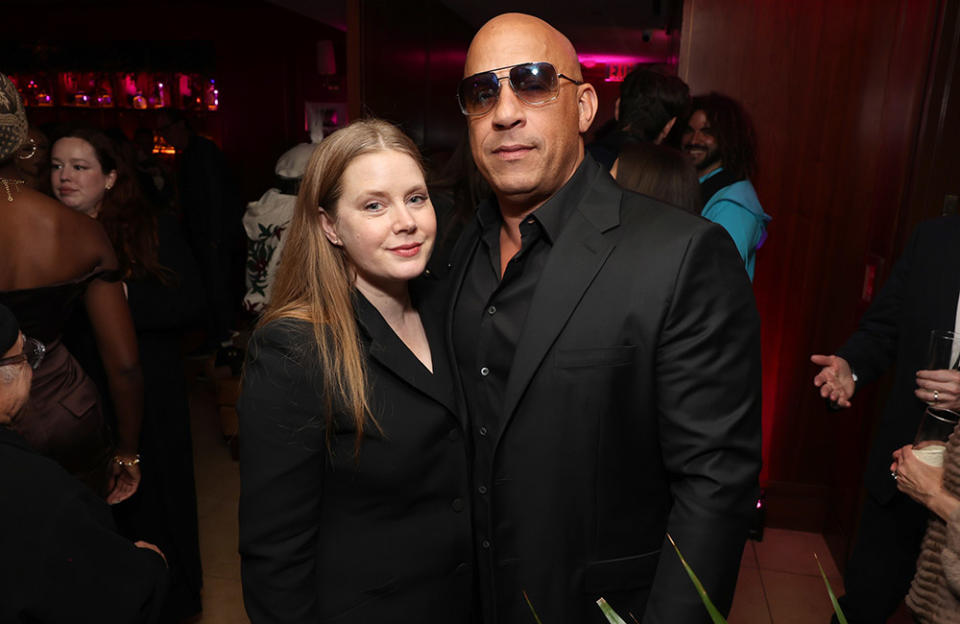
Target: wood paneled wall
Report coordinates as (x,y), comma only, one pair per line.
(837,92)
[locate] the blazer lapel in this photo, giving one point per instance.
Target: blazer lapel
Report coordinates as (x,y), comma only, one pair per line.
(575,259)
(387,349)
(456,273)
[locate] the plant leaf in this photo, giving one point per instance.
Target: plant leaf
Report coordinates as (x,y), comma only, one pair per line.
(610,614)
(833,598)
(532,610)
(715,615)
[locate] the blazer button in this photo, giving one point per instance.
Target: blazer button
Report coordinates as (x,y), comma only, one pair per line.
(485,543)
(457,505)
(483,430)
(482,489)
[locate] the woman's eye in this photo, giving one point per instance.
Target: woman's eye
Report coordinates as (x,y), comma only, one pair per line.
(372,206)
(418,199)
(79,167)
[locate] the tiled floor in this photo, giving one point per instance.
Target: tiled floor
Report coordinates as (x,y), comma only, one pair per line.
(778,584)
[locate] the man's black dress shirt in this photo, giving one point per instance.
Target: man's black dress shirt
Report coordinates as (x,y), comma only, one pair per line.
(491,312)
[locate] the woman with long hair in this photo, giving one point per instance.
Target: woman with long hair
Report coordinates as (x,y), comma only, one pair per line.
(164,294)
(354,498)
(660,172)
(54,259)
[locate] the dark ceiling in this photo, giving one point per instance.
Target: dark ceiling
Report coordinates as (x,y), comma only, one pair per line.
(607,26)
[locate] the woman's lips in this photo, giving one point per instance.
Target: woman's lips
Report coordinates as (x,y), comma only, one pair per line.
(407,251)
(66,190)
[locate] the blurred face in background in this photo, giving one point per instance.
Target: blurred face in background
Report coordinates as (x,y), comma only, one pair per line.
(77,177)
(699,143)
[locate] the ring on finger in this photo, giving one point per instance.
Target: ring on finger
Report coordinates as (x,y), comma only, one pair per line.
(936,396)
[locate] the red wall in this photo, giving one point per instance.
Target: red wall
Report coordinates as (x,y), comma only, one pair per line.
(836,90)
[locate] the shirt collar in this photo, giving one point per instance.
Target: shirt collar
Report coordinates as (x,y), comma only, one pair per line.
(555,212)
(711,174)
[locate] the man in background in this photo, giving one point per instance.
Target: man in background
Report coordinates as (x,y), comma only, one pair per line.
(649,106)
(721,143)
(63,560)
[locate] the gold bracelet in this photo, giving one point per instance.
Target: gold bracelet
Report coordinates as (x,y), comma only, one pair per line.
(126,463)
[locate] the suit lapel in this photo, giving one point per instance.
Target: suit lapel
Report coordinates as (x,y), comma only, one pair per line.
(387,349)
(575,259)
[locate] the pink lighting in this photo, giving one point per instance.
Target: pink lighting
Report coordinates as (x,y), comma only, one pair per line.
(590,60)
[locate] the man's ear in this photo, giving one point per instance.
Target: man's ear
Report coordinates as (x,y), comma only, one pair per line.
(587,105)
(329,228)
(667,127)
(616,109)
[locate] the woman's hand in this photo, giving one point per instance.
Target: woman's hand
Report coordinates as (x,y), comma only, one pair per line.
(939,388)
(921,482)
(126,479)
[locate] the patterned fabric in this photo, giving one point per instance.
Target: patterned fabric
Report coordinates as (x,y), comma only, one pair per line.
(264,221)
(934,594)
(13,119)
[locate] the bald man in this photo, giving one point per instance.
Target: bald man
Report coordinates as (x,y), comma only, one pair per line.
(608,351)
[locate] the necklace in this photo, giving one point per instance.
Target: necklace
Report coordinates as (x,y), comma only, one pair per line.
(6,186)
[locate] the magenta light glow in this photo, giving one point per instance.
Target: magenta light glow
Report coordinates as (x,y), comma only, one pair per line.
(591,60)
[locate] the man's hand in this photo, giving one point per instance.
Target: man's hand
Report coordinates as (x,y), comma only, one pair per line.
(939,388)
(835,379)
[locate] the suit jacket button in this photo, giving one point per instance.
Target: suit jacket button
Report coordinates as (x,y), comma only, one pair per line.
(457,505)
(485,543)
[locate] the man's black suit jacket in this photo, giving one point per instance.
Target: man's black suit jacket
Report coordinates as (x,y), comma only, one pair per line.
(632,409)
(920,295)
(334,536)
(61,557)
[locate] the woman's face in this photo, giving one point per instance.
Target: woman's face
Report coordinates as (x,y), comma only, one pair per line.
(78,180)
(384,221)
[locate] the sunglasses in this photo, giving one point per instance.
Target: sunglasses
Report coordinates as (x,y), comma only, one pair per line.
(33,351)
(533,83)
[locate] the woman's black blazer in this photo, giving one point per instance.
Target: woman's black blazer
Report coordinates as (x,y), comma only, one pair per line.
(330,535)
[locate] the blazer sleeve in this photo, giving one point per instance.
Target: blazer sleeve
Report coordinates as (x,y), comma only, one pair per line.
(708,398)
(872,348)
(282,455)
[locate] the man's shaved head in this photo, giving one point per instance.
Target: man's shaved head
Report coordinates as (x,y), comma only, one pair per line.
(515,32)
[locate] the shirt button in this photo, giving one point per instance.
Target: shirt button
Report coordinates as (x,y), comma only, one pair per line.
(492,310)
(483,430)
(482,489)
(530,220)
(485,543)
(427,272)
(457,505)
(484,371)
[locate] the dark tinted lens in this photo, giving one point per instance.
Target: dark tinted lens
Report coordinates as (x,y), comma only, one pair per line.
(534,82)
(478,93)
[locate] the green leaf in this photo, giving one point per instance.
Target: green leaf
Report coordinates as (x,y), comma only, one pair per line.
(608,611)
(712,610)
(532,610)
(833,598)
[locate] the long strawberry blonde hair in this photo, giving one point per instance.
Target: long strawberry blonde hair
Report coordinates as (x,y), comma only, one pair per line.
(314,280)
